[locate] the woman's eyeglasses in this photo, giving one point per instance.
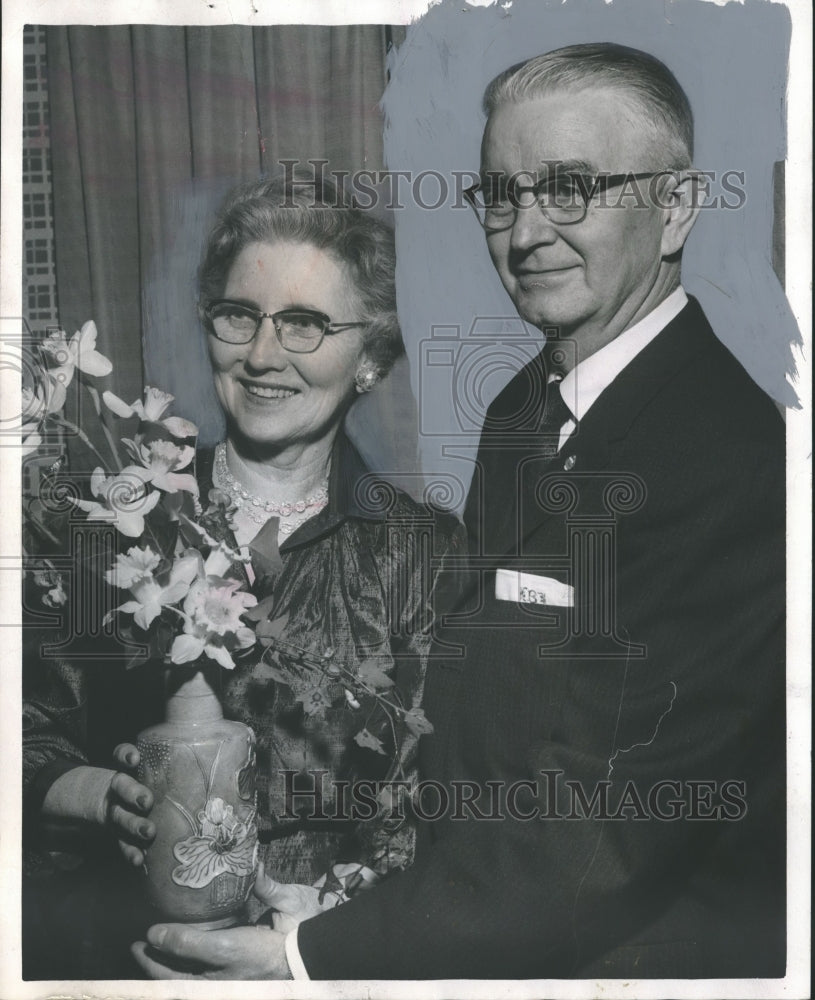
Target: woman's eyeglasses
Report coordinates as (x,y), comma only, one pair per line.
(300,331)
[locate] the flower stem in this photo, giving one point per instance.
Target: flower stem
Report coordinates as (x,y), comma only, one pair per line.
(62,422)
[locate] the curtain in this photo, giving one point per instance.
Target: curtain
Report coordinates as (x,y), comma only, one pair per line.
(151,125)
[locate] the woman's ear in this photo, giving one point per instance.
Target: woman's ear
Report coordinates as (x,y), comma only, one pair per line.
(681,199)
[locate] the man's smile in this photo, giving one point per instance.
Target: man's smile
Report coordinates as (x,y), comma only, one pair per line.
(531,277)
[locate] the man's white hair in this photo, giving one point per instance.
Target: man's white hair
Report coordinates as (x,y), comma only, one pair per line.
(638,76)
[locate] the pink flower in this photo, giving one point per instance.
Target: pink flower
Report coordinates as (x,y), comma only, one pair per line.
(134,572)
(213,625)
(163,459)
(225,845)
(124,499)
(151,410)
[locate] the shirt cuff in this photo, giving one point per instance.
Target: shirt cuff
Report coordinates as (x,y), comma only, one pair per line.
(296,966)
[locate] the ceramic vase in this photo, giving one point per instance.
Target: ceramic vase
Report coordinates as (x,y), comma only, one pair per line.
(201,769)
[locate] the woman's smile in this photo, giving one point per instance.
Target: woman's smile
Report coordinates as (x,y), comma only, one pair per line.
(270,392)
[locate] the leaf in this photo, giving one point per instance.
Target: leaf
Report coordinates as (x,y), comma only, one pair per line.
(264,550)
(364,738)
(137,660)
(155,643)
(315,701)
(264,670)
(131,448)
(94,394)
(261,610)
(271,629)
(374,676)
(331,884)
(417,722)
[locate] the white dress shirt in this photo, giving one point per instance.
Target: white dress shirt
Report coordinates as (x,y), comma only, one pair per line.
(580,388)
(584,383)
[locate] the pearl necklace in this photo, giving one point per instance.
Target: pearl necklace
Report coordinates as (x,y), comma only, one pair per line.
(292,513)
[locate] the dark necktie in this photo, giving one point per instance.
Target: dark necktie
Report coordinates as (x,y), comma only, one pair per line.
(555,414)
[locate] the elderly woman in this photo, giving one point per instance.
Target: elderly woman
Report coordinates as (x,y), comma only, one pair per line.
(297,297)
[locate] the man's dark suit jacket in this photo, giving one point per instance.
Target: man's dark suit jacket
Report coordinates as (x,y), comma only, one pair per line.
(662,690)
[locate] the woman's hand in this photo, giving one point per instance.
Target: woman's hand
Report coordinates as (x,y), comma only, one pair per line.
(113,799)
(176,951)
(128,805)
(294,903)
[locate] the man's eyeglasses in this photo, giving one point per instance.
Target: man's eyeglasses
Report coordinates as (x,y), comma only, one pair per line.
(562,197)
(300,331)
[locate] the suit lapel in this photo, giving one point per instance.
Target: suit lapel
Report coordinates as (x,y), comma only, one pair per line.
(683,342)
(686,340)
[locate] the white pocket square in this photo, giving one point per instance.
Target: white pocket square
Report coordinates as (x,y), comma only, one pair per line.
(526,588)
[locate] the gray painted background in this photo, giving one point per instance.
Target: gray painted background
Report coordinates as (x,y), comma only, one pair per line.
(731,60)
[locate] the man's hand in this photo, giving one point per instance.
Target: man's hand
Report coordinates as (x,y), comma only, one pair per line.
(178,951)
(294,903)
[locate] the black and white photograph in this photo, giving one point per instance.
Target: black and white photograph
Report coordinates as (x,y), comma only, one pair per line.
(405,436)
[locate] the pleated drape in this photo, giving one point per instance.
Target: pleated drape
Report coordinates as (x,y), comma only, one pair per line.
(151,125)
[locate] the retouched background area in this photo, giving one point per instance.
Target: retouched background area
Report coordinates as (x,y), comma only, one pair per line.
(732,62)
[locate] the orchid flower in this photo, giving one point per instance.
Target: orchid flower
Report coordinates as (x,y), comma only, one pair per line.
(213,625)
(78,352)
(124,499)
(31,438)
(151,410)
(48,396)
(162,459)
(134,572)
(34,407)
(33,402)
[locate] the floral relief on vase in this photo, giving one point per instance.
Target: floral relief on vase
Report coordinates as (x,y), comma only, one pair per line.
(221,844)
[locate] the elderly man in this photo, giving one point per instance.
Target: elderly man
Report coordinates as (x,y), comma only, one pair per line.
(613,698)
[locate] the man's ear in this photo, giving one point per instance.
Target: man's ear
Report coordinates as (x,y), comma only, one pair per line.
(684,194)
